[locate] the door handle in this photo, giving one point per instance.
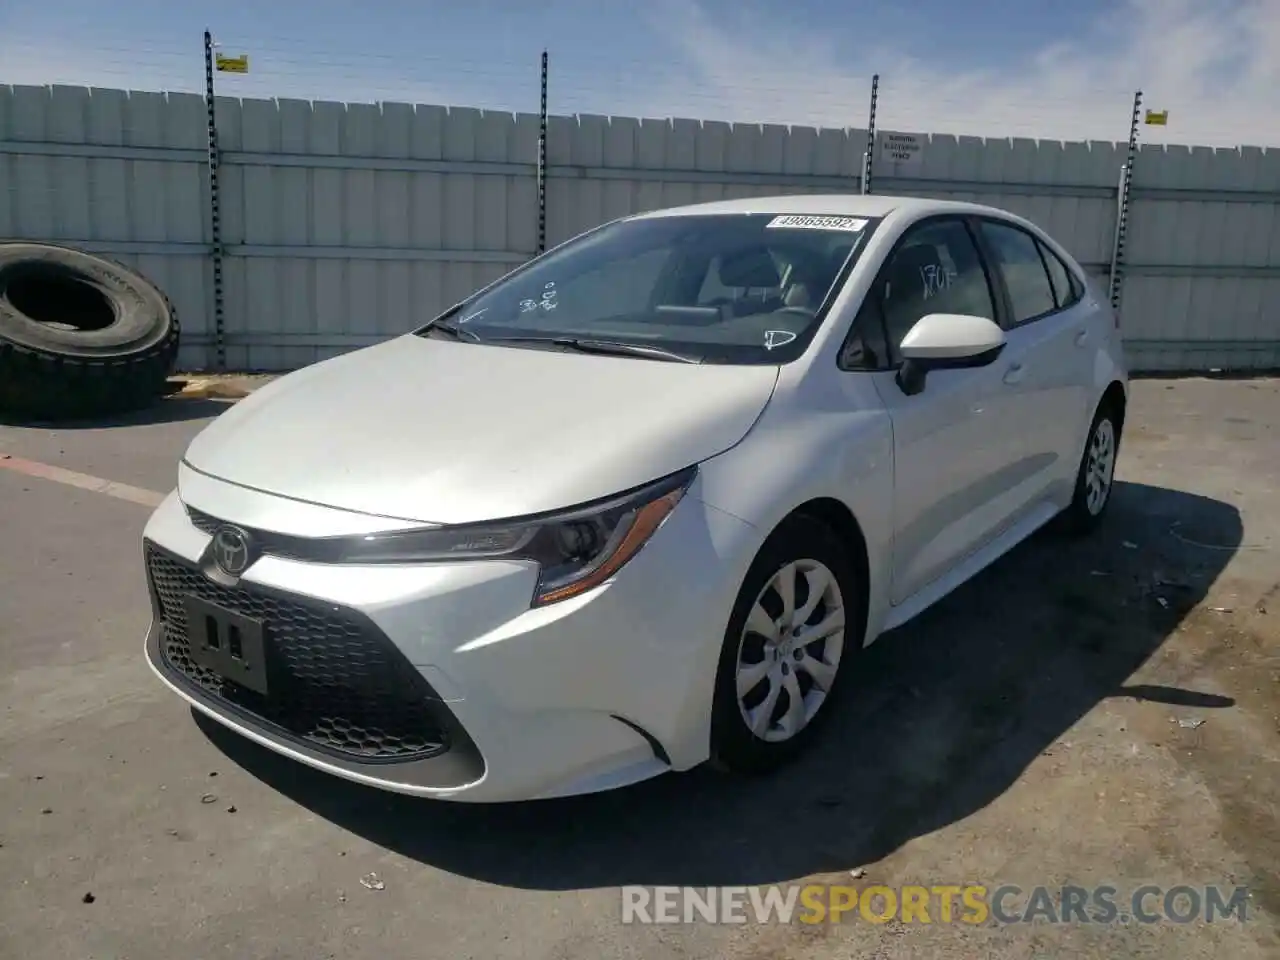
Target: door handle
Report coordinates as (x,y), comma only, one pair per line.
(1014,373)
(1082,338)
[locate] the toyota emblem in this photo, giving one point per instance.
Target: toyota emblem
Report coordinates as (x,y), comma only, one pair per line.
(232,550)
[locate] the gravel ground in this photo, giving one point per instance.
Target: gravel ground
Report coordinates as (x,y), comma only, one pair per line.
(1100,712)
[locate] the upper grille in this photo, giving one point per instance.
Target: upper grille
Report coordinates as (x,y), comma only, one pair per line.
(202,521)
(270,543)
(334,680)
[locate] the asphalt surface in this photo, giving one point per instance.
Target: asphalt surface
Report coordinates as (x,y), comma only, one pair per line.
(1085,713)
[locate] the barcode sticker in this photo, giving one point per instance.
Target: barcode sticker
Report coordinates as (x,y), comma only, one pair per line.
(795,221)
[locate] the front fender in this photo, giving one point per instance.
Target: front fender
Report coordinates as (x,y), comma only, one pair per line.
(791,458)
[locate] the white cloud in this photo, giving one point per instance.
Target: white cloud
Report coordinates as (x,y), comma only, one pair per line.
(1214,64)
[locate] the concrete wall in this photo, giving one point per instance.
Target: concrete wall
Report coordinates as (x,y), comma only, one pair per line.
(346,223)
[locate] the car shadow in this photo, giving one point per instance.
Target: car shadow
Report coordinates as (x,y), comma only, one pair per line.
(166,409)
(944,715)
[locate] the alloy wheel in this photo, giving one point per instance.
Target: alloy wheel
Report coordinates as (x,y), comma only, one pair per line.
(1100,467)
(790,650)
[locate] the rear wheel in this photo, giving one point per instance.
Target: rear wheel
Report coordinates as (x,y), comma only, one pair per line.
(793,629)
(1096,475)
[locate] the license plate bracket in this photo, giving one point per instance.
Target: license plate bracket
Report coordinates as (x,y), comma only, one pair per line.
(229,643)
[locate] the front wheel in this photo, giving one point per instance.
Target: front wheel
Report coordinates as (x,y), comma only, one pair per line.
(1096,475)
(794,627)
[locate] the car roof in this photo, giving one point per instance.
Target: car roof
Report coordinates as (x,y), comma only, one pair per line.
(831,204)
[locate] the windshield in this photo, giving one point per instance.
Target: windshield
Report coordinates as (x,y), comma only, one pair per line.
(724,288)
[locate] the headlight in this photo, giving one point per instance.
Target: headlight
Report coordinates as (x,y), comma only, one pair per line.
(575,551)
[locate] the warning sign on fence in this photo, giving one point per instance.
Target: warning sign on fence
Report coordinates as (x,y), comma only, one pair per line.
(903,151)
(238,64)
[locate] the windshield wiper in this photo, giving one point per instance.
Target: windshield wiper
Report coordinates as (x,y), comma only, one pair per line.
(611,347)
(455,331)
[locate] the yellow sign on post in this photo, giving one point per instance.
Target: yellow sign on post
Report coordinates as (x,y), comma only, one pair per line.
(238,64)
(1157,118)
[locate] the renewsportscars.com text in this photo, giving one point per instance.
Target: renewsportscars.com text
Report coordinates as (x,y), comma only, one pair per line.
(970,904)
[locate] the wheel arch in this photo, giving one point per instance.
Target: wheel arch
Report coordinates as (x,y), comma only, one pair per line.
(837,517)
(1117,399)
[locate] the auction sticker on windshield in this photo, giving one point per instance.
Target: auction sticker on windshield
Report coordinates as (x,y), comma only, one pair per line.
(795,221)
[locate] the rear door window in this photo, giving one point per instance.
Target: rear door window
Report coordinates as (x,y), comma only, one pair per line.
(1065,292)
(1018,260)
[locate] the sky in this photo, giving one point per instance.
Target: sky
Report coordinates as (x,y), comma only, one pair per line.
(998,68)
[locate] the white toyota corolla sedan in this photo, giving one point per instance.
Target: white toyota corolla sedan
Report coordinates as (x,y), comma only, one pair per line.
(638,504)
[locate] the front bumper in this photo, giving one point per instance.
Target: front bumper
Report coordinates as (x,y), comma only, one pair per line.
(439,680)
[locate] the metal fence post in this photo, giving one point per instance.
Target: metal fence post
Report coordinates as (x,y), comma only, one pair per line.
(542,161)
(1122,206)
(215,219)
(867,158)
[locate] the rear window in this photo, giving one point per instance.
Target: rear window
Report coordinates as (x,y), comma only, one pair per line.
(1066,288)
(728,288)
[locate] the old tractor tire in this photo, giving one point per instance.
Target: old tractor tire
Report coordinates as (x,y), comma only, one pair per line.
(80,336)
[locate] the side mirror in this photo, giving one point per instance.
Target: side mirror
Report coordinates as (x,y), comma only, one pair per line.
(946,341)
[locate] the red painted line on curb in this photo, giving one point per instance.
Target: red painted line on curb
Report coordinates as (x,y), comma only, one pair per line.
(82,481)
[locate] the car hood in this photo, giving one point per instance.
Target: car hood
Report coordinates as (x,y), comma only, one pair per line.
(440,432)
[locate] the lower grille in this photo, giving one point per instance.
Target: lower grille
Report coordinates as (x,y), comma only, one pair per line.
(335,681)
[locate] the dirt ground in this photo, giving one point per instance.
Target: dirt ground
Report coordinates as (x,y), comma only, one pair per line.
(1086,712)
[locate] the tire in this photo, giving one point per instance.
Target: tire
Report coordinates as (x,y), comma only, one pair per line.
(735,747)
(80,335)
(1095,477)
